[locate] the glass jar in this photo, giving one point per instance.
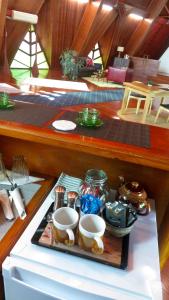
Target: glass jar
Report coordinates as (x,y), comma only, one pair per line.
(93,192)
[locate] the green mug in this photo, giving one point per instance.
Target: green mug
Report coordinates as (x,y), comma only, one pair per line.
(93,116)
(4,100)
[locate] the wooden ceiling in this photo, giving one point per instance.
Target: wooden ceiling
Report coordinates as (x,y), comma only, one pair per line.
(71,24)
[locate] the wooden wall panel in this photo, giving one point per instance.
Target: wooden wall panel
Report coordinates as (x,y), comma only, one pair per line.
(157,41)
(70,24)
(3,9)
(62,18)
(93,26)
(31,6)
(108,43)
(141,4)
(100,25)
(85,27)
(138,37)
(118,34)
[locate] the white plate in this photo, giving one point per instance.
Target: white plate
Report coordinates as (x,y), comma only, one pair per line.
(64,125)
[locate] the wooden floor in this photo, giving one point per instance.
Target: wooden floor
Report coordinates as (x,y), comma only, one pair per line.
(113,112)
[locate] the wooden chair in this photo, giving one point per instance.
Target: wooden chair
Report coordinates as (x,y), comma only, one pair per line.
(162,108)
(139,98)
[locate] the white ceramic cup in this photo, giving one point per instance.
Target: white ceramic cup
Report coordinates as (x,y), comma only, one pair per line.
(91,231)
(65,219)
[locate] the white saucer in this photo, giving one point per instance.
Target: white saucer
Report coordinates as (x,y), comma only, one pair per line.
(64,125)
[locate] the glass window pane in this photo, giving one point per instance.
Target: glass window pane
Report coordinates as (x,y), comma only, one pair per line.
(27,37)
(33,48)
(40,58)
(33,37)
(32,60)
(22,57)
(38,47)
(43,65)
(25,47)
(96,46)
(90,54)
(43,73)
(96,53)
(98,60)
(16,64)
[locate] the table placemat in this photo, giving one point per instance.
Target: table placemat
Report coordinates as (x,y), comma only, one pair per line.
(28,113)
(114,130)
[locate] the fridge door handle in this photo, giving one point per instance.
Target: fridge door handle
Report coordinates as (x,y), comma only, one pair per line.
(29,285)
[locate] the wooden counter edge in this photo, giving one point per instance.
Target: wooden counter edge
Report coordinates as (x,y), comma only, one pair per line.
(89,145)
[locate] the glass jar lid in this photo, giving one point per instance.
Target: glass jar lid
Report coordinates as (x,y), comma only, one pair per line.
(95,177)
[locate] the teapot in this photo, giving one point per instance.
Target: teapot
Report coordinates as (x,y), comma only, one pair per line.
(134,193)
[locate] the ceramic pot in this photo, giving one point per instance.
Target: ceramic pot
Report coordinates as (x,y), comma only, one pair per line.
(134,193)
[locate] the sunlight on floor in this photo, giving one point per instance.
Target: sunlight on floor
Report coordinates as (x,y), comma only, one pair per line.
(51,83)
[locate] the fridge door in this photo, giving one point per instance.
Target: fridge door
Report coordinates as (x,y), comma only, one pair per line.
(27,281)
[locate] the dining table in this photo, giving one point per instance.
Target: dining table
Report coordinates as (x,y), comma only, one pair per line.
(150,93)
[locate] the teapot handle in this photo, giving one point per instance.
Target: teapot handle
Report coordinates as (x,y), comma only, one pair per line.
(145,211)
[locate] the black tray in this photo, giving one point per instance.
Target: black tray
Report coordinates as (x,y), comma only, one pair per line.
(115,253)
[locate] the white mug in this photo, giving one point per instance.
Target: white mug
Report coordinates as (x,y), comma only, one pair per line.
(91,231)
(65,219)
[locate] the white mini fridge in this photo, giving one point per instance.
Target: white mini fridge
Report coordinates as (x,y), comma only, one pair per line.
(32,272)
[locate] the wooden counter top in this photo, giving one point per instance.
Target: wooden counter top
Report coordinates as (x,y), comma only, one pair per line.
(157,156)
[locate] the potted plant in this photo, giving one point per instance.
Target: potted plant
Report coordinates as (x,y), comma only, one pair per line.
(70,63)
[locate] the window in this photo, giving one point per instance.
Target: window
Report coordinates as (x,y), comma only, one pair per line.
(95,55)
(25,57)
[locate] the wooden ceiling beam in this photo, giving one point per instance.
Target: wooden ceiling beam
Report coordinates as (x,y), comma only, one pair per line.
(86,25)
(143,27)
(112,38)
(94,24)
(104,21)
(167,9)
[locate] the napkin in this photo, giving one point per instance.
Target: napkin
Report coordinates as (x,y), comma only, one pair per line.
(19,181)
(18,202)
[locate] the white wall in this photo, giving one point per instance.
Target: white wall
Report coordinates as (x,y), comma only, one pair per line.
(164,63)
